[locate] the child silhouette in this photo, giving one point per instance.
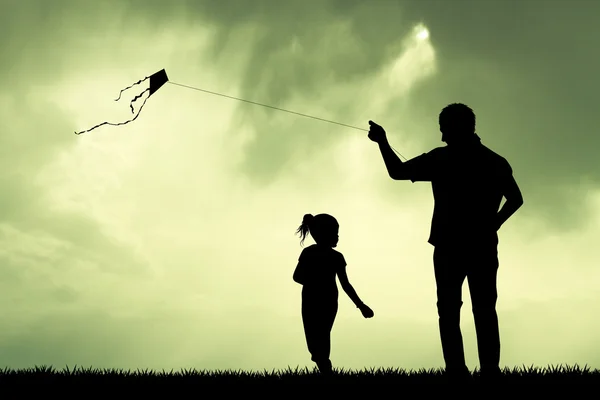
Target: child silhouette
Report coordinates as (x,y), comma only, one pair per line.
(317,268)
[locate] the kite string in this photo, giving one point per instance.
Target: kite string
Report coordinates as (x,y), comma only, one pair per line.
(275,108)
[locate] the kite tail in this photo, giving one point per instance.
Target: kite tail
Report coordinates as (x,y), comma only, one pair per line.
(121,123)
(129,87)
(137,97)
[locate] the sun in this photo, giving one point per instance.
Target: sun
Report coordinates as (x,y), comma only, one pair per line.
(422,33)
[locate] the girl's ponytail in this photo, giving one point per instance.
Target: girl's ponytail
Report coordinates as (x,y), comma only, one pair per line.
(304,229)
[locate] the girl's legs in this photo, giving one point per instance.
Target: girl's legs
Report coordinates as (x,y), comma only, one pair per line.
(318,321)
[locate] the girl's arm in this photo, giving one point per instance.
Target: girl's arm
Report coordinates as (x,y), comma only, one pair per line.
(299,273)
(343,277)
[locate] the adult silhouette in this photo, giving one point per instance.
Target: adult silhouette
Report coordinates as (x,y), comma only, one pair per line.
(469,181)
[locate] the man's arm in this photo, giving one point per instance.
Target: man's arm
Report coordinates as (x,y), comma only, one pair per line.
(393,163)
(420,168)
(514,201)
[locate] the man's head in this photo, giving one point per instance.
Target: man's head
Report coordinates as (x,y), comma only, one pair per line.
(457,122)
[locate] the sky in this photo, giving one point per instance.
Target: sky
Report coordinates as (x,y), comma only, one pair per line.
(169,242)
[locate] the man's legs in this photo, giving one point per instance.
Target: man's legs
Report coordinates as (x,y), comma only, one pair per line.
(449,276)
(482,273)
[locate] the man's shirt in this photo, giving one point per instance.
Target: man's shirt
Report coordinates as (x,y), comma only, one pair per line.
(468,184)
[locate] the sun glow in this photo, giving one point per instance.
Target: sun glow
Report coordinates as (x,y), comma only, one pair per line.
(422,32)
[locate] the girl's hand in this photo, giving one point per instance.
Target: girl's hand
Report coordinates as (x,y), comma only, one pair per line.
(366,311)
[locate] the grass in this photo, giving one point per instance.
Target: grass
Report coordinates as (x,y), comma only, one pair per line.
(48,375)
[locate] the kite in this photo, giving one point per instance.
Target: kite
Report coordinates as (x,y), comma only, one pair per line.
(158,79)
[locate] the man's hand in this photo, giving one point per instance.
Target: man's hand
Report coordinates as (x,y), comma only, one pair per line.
(376,132)
(366,311)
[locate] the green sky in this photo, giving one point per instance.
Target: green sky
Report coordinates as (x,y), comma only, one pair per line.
(169,242)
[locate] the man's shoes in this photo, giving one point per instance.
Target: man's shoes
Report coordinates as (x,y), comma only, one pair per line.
(491,375)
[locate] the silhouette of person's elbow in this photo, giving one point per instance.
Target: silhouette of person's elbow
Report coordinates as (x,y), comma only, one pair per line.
(298,275)
(518,202)
(394,174)
(398,173)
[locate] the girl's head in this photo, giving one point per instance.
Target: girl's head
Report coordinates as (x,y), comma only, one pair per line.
(322,227)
